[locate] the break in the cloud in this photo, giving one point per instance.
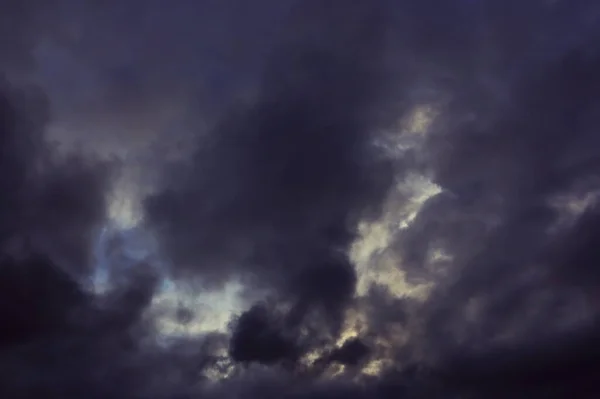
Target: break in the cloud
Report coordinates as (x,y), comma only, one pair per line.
(408,200)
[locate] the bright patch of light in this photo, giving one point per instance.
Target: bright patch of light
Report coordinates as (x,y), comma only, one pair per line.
(419,120)
(124,205)
(116,250)
(209,311)
(376,262)
(570,207)
(410,131)
(123,244)
(422,189)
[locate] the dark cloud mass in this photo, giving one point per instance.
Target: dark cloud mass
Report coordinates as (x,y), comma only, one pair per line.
(299,116)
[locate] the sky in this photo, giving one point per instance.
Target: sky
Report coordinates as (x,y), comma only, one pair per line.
(303,199)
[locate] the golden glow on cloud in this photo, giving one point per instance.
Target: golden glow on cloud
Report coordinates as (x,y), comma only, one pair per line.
(373,253)
(375,367)
(419,120)
(355,325)
(376,262)
(410,131)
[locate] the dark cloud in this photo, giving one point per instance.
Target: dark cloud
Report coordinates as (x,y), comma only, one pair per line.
(351,353)
(53,204)
(51,209)
(518,166)
(125,74)
(521,274)
(280,185)
(277,187)
(275,193)
(259,338)
(36,299)
(514,132)
(23,23)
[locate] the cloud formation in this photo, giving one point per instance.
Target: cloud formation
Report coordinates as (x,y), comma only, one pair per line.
(304,193)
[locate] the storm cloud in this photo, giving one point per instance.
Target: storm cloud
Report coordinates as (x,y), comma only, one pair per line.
(406,193)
